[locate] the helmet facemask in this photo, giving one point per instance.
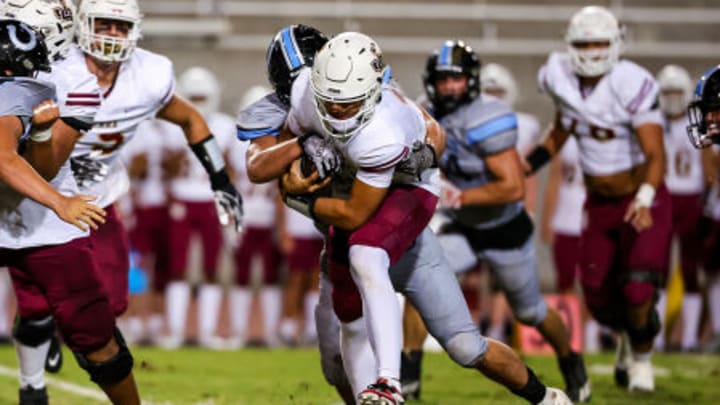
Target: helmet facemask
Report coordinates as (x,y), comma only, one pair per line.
(594,39)
(98,14)
(344,128)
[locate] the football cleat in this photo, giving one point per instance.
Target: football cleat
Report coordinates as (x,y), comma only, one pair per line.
(623,360)
(640,377)
(555,396)
(54,359)
(383,392)
(576,379)
(32,396)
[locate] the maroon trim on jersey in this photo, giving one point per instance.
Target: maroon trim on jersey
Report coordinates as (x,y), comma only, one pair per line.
(83,102)
(635,103)
(83,95)
(389,164)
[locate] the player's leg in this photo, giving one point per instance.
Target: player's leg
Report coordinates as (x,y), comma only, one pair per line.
(516,272)
(414,335)
(84,315)
(177,293)
(204,218)
(328,332)
(690,253)
(644,270)
(32,332)
(435,292)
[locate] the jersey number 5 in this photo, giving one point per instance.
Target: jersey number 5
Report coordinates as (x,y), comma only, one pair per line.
(114,141)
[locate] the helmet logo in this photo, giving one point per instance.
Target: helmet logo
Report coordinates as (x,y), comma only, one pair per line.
(23,46)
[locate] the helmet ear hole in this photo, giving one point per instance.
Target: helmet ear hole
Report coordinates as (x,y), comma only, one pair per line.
(22,49)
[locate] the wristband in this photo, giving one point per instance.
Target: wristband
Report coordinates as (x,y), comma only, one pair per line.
(645,195)
(42,135)
(304,204)
(210,155)
(537,158)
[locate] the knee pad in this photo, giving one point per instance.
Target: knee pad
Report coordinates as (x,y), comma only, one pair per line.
(33,333)
(647,332)
(466,348)
(531,315)
(112,370)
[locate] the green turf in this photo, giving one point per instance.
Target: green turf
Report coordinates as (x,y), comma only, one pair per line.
(293,377)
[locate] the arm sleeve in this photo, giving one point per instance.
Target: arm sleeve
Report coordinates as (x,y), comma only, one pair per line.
(264,117)
(491,128)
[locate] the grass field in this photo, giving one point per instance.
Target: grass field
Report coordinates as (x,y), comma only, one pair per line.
(194,376)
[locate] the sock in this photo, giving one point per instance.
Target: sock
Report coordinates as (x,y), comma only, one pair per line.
(642,357)
(691,311)
(592,336)
(240,298)
(411,363)
(209,298)
(271,301)
(155,325)
(177,300)
(288,330)
(311,301)
(370,271)
(31,361)
(659,344)
(714,301)
(534,391)
(358,358)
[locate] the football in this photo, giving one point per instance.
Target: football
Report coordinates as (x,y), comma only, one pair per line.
(307,167)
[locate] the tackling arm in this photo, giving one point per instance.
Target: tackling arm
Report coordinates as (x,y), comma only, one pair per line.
(352,213)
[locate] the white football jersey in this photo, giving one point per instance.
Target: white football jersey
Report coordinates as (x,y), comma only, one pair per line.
(145,84)
(150,191)
(23,222)
(374,150)
(194,184)
(567,218)
(603,120)
(259,204)
(528,131)
(684,173)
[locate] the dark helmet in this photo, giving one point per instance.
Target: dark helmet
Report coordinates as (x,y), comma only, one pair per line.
(22,49)
(454,58)
(292,48)
(705,99)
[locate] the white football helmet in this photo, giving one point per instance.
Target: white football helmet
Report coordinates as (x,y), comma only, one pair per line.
(252,95)
(674,77)
(200,87)
(347,69)
(495,79)
(594,24)
(104,47)
(53,18)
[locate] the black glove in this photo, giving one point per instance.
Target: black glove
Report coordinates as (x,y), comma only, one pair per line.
(421,157)
(87,170)
(323,154)
(227,200)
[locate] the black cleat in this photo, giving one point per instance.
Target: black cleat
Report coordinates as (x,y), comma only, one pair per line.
(32,396)
(410,366)
(577,384)
(54,359)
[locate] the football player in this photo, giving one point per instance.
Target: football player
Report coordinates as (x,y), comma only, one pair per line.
(379,218)
(611,107)
(47,257)
(703,110)
(192,210)
(686,179)
(485,198)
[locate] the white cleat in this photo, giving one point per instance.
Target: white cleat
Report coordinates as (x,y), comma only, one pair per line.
(555,396)
(640,377)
